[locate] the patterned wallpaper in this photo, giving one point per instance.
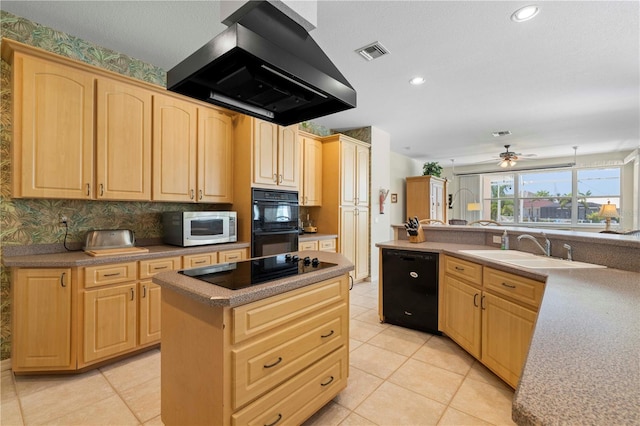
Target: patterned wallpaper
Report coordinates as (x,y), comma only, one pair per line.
(35,221)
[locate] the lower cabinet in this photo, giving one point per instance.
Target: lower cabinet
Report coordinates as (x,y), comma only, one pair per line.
(274,361)
(491,314)
(149,300)
(109,321)
(328,245)
(42,316)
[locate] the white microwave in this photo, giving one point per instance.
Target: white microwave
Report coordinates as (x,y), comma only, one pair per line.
(187,229)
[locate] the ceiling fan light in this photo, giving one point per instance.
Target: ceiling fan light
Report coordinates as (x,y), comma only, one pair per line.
(504,164)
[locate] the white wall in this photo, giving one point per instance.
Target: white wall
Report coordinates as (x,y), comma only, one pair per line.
(401,167)
(380,178)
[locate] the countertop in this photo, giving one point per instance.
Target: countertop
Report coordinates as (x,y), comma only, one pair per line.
(70,259)
(583,365)
(213,295)
(316,236)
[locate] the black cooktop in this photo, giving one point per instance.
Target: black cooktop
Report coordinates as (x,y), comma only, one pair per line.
(246,273)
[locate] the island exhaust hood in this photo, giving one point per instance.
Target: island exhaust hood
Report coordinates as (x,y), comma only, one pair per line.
(265,65)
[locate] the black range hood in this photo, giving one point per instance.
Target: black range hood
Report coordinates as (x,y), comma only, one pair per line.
(267,66)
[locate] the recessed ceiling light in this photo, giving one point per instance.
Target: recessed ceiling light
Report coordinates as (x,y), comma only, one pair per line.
(416,81)
(525,13)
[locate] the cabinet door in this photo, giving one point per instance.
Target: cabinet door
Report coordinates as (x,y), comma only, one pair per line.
(174,149)
(265,153)
(311,194)
(362,176)
(123,142)
(462,314)
(199,260)
(232,255)
(53,139)
(149,312)
(109,321)
(506,333)
(215,137)
(348,173)
(288,156)
(348,227)
(437,201)
(42,319)
(362,244)
(308,245)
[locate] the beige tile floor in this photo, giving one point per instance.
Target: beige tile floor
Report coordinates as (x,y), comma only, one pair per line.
(397,377)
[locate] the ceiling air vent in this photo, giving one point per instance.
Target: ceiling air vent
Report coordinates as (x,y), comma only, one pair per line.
(501,133)
(372,51)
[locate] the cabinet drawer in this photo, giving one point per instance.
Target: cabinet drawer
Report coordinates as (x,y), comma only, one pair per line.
(328,245)
(472,272)
(297,399)
(232,255)
(149,268)
(270,361)
(513,286)
(95,276)
(254,318)
(198,260)
(308,245)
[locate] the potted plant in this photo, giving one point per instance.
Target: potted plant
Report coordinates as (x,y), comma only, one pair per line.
(432,169)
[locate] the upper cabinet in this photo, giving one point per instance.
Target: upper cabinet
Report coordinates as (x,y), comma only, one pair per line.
(425,197)
(123,141)
(275,155)
(354,169)
(310,193)
(175,124)
(53,130)
(81,132)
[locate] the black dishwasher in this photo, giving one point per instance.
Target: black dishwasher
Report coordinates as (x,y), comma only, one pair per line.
(410,289)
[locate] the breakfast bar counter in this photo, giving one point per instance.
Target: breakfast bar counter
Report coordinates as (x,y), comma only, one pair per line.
(583,362)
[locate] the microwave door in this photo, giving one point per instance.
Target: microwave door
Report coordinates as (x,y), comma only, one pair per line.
(206,228)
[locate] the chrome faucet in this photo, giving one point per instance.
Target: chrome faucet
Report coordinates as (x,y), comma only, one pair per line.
(547,244)
(569,252)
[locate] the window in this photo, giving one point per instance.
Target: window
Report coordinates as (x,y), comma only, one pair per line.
(565,197)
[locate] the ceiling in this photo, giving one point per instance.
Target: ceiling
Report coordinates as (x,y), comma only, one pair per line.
(569,77)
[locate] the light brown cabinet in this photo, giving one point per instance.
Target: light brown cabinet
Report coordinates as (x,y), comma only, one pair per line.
(123,141)
(345,199)
(42,317)
(426,197)
(53,129)
(227,256)
(275,155)
(277,359)
(491,314)
(310,193)
(215,156)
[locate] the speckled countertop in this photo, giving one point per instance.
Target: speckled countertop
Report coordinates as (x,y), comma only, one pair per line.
(213,295)
(316,236)
(80,258)
(583,365)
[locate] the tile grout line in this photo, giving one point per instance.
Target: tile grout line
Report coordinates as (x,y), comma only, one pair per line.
(121,398)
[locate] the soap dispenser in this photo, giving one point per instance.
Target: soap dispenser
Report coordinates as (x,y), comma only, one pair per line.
(504,241)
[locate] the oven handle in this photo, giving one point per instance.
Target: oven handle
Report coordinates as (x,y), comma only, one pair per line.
(262,233)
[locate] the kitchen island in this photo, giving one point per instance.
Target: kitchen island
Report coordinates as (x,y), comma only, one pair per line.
(274,352)
(582,365)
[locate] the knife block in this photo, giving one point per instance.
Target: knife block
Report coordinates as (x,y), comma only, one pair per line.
(420,238)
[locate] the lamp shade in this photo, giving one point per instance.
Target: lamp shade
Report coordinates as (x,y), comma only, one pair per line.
(473,207)
(608,210)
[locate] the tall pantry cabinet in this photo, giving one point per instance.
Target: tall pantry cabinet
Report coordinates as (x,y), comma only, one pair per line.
(345,198)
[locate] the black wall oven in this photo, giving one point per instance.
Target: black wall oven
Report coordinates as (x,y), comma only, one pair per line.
(274,228)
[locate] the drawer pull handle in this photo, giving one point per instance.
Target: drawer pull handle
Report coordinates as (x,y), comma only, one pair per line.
(199,262)
(482,303)
(327,335)
(508,285)
(408,313)
(475,300)
(327,383)
(274,364)
(157,268)
(193,195)
(459,268)
(115,274)
(62,275)
(88,190)
(201,194)
(277,420)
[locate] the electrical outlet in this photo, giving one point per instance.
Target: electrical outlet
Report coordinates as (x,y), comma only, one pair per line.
(63,219)
(497,239)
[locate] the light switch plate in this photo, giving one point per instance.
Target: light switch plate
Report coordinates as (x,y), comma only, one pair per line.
(497,239)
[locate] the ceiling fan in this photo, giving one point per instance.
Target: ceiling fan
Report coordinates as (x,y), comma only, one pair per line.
(510,158)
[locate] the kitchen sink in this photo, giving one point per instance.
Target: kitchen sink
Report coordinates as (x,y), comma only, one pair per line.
(528,260)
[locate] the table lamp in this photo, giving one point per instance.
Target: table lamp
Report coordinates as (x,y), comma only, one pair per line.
(608,211)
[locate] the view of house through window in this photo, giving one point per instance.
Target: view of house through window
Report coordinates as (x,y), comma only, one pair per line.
(569,197)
